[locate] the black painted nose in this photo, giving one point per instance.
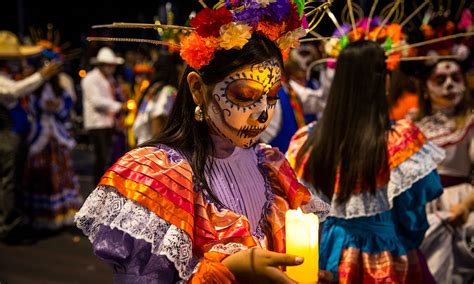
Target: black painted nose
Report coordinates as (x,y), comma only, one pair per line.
(263,117)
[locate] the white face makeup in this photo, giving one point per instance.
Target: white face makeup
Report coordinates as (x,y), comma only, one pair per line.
(446,85)
(242,105)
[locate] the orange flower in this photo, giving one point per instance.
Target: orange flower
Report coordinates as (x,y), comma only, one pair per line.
(197,51)
(428,31)
(393,60)
(394,31)
(357,34)
(271,30)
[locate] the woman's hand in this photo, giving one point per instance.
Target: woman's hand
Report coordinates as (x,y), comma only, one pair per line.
(260,265)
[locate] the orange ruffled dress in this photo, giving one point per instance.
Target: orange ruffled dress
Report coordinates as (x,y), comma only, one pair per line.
(153,224)
(374,238)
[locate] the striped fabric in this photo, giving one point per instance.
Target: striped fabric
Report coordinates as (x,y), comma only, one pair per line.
(239,184)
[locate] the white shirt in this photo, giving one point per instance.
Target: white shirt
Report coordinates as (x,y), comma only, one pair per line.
(99,102)
(11,90)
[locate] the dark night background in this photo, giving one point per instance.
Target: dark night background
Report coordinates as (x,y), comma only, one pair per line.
(74,19)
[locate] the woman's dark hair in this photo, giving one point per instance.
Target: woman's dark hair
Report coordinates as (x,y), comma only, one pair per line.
(166,69)
(182,132)
(461,111)
(349,144)
(401,82)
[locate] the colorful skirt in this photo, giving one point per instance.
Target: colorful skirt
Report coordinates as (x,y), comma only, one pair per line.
(368,250)
(51,192)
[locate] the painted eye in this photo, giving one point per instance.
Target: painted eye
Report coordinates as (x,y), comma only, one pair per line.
(272,95)
(439,79)
(457,77)
(244,92)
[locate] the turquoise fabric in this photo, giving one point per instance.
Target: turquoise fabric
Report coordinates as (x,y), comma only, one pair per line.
(398,230)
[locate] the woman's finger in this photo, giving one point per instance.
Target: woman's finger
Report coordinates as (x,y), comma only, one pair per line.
(281,259)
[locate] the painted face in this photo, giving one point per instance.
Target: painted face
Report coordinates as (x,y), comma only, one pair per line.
(242,105)
(446,85)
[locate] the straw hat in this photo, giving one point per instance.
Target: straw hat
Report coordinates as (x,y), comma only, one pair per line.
(107,56)
(10,47)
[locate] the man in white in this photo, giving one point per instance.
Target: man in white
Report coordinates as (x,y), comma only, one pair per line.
(101,106)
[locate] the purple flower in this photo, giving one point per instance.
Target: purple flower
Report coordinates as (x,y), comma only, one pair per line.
(251,15)
(232,4)
(346,28)
(278,11)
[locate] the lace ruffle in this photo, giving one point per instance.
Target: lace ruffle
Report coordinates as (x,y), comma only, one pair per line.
(229,248)
(105,206)
(402,178)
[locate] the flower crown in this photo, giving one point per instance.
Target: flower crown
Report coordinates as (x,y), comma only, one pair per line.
(390,35)
(281,21)
(52,48)
(440,26)
(231,24)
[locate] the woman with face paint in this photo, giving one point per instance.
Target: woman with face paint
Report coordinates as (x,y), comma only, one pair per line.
(448,121)
(202,202)
(378,175)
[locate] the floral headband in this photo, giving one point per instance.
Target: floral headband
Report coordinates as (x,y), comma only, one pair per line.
(389,35)
(435,26)
(52,49)
(231,24)
(281,21)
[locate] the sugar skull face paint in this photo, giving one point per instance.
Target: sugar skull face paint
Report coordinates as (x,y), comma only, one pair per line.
(242,105)
(446,85)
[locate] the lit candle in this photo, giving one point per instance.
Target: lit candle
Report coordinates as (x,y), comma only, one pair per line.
(302,240)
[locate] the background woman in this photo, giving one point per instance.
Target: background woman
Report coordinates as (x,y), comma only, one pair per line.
(377,175)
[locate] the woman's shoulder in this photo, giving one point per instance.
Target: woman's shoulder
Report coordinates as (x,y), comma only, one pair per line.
(404,140)
(158,178)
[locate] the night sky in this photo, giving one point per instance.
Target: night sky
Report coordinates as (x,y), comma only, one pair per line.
(74,19)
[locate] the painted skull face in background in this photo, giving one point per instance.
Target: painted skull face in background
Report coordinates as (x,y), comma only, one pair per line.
(242,105)
(446,85)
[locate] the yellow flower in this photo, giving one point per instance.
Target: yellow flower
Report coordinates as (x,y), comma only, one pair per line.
(234,35)
(291,39)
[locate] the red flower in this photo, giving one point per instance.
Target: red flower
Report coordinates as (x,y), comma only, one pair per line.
(208,22)
(294,20)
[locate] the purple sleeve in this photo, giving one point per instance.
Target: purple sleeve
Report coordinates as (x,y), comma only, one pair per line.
(132,259)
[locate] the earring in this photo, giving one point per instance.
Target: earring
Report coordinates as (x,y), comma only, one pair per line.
(198,114)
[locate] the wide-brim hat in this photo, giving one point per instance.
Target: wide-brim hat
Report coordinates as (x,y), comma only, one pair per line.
(107,56)
(10,47)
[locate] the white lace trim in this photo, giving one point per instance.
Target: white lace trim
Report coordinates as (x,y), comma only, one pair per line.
(402,178)
(229,248)
(442,130)
(105,206)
